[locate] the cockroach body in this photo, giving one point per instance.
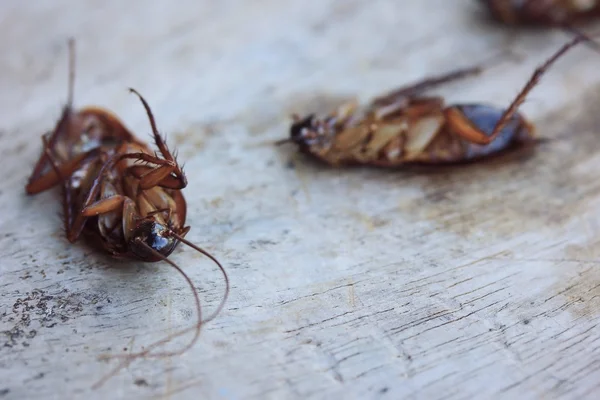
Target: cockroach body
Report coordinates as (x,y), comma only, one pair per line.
(543,12)
(403,127)
(85,154)
(119,193)
(420,130)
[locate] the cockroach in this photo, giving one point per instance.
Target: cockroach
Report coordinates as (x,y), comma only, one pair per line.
(543,12)
(404,127)
(118,193)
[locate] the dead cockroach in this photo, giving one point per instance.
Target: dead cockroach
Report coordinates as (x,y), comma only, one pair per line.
(543,12)
(118,193)
(403,127)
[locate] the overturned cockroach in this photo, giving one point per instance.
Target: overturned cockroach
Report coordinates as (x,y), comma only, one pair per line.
(118,193)
(403,127)
(543,12)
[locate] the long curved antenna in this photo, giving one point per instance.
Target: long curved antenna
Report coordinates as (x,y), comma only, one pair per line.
(281,142)
(160,143)
(71,85)
(219,265)
(129,358)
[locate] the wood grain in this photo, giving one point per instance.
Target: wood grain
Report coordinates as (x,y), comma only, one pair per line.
(474,281)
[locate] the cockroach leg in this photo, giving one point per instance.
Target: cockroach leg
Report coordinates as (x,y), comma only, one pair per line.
(577,33)
(113,203)
(129,217)
(417,88)
(425,84)
(78,224)
(95,184)
(159,175)
(67,217)
(461,126)
(166,172)
(42,162)
(75,229)
(140,171)
(105,205)
(39,183)
(53,176)
(59,174)
(160,143)
(169,168)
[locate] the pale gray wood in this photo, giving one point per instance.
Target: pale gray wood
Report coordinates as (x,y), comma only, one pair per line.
(480,281)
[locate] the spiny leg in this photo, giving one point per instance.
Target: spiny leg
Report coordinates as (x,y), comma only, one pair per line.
(61,175)
(142,172)
(156,176)
(80,219)
(461,126)
(53,177)
(415,89)
(169,165)
(42,162)
(67,217)
(93,207)
(157,138)
(103,206)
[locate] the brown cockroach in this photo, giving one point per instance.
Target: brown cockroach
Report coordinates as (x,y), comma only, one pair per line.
(543,12)
(118,193)
(403,127)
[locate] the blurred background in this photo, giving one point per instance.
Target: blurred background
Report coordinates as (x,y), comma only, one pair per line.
(459,282)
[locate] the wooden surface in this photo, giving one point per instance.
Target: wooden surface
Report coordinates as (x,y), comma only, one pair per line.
(478,281)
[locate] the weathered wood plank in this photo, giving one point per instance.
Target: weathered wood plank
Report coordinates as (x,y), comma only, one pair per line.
(471,281)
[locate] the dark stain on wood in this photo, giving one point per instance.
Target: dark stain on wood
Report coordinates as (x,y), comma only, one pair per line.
(39,310)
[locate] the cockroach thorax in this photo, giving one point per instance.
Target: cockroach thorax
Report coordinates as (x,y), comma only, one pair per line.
(150,237)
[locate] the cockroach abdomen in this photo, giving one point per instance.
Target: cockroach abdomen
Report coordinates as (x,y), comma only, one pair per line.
(485,118)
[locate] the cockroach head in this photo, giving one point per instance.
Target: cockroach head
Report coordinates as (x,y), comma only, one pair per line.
(149,238)
(309,131)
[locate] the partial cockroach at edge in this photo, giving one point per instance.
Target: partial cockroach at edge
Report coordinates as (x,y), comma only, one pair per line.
(123,197)
(403,127)
(543,12)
